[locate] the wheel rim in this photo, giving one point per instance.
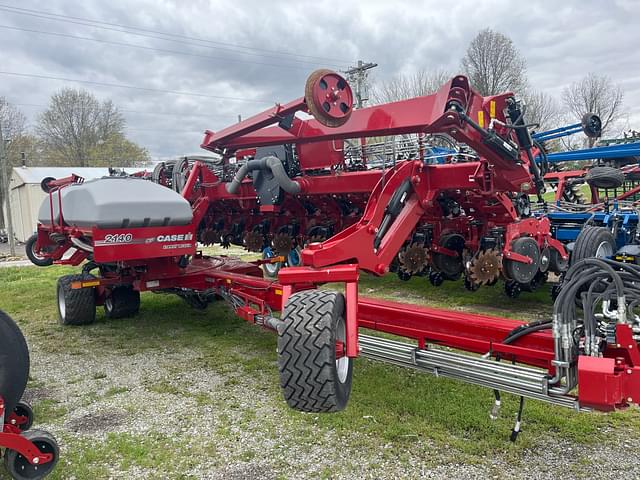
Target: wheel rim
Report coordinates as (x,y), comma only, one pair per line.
(27,470)
(293,259)
(270,268)
(605,249)
(108,304)
(342,363)
(35,254)
(62,305)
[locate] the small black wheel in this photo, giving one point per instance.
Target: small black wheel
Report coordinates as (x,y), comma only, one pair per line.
(605,177)
(313,375)
(591,125)
(35,257)
(556,263)
(14,364)
(592,242)
(122,302)
(76,306)
(436,278)
(23,409)
(44,184)
(19,467)
(512,289)
(404,275)
(523,272)
(470,285)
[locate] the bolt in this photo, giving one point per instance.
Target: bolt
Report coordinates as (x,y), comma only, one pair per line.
(36,460)
(629,399)
(630,346)
(629,371)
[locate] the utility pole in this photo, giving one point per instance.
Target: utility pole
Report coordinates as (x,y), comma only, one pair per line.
(7,194)
(358,76)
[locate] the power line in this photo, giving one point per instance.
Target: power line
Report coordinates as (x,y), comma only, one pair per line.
(133,87)
(140,112)
(143,47)
(97,24)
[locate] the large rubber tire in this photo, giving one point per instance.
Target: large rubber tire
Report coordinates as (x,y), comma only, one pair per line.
(593,242)
(123,302)
(33,256)
(311,377)
(14,362)
(605,177)
(19,467)
(76,307)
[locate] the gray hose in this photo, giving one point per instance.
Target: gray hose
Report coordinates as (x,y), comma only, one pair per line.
(266,163)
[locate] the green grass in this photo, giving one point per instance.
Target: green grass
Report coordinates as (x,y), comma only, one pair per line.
(408,413)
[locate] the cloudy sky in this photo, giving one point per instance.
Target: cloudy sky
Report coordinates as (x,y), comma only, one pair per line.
(196,65)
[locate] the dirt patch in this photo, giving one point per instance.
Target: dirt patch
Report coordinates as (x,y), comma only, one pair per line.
(97,422)
(37,394)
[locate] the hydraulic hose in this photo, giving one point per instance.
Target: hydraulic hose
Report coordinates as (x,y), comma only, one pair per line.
(271,163)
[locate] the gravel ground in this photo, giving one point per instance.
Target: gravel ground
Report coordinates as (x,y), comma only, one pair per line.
(236,427)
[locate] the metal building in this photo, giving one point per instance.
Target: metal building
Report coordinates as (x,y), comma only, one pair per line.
(27,196)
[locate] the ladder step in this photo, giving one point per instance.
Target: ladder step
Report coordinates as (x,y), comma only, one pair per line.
(516,379)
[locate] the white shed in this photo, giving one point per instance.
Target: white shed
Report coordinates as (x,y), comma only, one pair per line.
(27,196)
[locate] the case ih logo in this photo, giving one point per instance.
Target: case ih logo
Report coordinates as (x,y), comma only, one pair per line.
(183,237)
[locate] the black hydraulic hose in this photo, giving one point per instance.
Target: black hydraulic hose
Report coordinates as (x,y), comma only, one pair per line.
(274,164)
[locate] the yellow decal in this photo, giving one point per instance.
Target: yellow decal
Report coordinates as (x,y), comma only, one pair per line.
(481,118)
(492,109)
(278,291)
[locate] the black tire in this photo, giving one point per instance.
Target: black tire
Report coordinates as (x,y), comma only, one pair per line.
(44,182)
(591,125)
(23,409)
(19,467)
(556,264)
(123,302)
(33,256)
(605,177)
(14,362)
(593,242)
(310,377)
(76,307)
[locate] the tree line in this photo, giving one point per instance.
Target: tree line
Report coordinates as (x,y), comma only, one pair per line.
(76,130)
(494,65)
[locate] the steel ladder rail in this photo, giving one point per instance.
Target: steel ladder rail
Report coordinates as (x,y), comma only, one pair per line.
(518,380)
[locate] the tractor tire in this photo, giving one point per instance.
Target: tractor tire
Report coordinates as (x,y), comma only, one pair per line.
(605,177)
(33,256)
(123,302)
(14,362)
(592,242)
(311,377)
(76,307)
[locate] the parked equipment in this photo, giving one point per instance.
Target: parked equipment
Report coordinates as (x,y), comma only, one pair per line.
(468,216)
(29,454)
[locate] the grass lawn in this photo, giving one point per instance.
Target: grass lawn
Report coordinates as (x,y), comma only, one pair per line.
(180,393)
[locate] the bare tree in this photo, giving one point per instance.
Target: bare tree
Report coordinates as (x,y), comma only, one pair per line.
(75,123)
(541,109)
(493,64)
(596,94)
(423,82)
(12,122)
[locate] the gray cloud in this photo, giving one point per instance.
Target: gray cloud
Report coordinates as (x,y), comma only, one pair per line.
(562,41)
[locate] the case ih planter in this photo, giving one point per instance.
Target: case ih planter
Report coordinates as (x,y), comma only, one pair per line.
(468,217)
